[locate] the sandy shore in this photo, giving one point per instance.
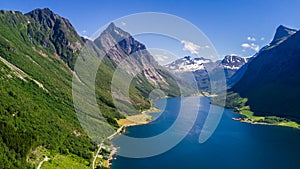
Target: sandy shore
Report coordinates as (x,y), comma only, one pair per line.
(139,119)
(252,122)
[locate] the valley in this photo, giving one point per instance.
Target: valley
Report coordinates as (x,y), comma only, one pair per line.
(66,100)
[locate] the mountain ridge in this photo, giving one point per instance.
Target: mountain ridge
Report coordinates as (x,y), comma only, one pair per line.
(45,47)
(201,67)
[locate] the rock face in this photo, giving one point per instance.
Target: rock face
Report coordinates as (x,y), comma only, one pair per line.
(120,46)
(56,33)
(200,67)
(271,81)
(282,33)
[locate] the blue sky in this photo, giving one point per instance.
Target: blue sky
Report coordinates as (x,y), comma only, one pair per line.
(239,27)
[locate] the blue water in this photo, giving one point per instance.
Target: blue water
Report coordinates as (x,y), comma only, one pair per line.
(234,145)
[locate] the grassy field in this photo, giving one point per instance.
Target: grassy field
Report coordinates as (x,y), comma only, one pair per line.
(138,119)
(238,104)
(250,117)
(135,120)
(65,161)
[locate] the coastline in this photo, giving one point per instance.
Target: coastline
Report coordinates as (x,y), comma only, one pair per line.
(143,118)
(134,120)
(249,117)
(242,120)
(139,119)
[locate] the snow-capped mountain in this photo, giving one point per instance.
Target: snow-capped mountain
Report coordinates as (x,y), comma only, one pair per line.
(188,64)
(234,62)
(200,67)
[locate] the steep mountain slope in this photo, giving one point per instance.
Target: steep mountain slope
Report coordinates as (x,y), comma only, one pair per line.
(132,57)
(200,67)
(271,81)
(35,114)
(38,51)
(282,33)
(55,33)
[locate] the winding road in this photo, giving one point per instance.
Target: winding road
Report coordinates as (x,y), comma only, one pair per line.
(41,163)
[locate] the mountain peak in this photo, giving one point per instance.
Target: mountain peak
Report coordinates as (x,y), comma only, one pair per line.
(188,57)
(188,64)
(57,32)
(39,11)
(282,33)
(111,26)
(45,16)
(116,32)
(234,62)
(114,35)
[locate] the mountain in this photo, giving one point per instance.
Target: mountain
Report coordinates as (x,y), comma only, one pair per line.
(120,46)
(232,62)
(188,64)
(236,74)
(131,59)
(38,51)
(282,33)
(55,33)
(200,67)
(37,114)
(271,81)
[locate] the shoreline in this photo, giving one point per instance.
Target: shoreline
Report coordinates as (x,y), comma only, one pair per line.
(138,119)
(135,120)
(252,119)
(249,120)
(253,122)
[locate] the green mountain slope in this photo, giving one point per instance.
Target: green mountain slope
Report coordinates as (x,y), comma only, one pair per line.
(38,52)
(36,106)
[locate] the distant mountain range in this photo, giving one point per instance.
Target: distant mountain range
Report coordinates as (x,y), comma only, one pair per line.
(200,67)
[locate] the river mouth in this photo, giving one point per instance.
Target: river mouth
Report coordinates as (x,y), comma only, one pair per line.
(233,145)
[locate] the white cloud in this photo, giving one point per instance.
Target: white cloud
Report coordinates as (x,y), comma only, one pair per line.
(161,58)
(246,45)
(83,32)
(207,46)
(251,46)
(123,23)
(262,38)
(190,46)
(252,39)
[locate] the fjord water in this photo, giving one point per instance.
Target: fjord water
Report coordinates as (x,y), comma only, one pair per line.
(233,145)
